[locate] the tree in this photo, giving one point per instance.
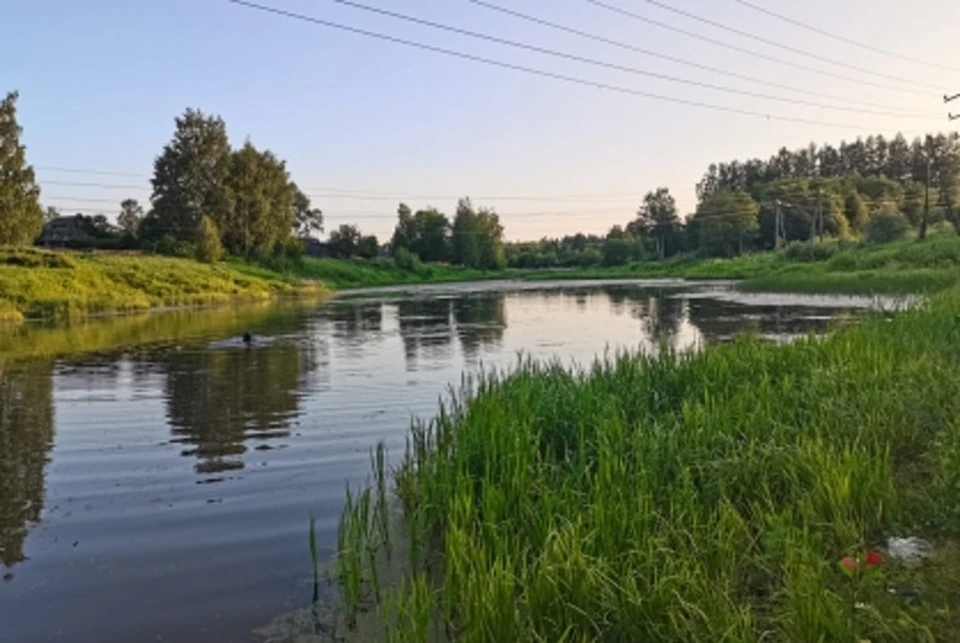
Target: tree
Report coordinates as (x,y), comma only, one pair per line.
(260,213)
(189,178)
(344,241)
(477,239)
(208,246)
(886,225)
(657,218)
(855,210)
(368,247)
(50,213)
(306,220)
(426,233)
(619,247)
(131,214)
(21,217)
(725,220)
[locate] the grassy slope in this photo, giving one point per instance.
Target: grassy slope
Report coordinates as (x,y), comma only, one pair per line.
(904,267)
(705,497)
(39,284)
(339,274)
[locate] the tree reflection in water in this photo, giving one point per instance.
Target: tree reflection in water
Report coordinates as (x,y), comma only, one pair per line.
(220,399)
(26,436)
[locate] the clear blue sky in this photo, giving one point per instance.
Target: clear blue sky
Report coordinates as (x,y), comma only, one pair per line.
(102,80)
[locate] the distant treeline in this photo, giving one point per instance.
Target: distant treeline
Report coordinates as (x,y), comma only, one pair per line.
(871,188)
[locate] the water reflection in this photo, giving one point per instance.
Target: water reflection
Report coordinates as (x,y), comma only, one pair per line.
(26,437)
(480,321)
(219,400)
(426,329)
(137,427)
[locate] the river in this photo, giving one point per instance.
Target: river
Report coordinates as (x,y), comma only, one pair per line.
(157,476)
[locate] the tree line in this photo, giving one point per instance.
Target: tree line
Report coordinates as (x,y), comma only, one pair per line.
(872,188)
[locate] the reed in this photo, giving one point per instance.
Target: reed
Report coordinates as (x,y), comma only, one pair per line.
(692,497)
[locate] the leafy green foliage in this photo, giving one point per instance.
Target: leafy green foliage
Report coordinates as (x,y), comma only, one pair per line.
(426,233)
(260,214)
(21,217)
(368,247)
(725,221)
(657,218)
(344,241)
(477,238)
(208,246)
(307,219)
(886,226)
(190,178)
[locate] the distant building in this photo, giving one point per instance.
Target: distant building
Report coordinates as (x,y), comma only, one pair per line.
(316,248)
(64,231)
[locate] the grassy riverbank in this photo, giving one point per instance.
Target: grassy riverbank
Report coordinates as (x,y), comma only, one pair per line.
(904,267)
(340,274)
(703,497)
(37,284)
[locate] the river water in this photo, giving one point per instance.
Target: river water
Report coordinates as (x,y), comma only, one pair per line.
(156,475)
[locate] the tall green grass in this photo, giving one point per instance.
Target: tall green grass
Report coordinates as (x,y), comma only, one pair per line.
(339,274)
(59,285)
(692,497)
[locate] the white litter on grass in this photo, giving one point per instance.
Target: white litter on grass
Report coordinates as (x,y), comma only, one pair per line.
(910,551)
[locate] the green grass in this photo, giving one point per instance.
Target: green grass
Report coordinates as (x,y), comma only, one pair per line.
(694,497)
(339,274)
(831,267)
(58,285)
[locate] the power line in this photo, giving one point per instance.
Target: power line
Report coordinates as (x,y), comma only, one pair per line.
(673,59)
(779,45)
(534,71)
(622,68)
(751,52)
(324,193)
(844,39)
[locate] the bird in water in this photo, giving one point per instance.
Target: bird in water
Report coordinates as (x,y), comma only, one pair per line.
(248,339)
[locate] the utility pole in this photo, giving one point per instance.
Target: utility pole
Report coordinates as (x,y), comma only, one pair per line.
(778,226)
(820,212)
(926,200)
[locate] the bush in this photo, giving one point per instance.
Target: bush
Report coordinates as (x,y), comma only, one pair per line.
(406,260)
(886,226)
(208,248)
(809,252)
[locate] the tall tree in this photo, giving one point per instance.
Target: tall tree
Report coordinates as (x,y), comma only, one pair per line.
(131,214)
(426,233)
(477,238)
(21,217)
(307,220)
(345,241)
(657,218)
(189,179)
(260,197)
(725,220)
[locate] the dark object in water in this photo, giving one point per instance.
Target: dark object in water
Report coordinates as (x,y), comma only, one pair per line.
(247,339)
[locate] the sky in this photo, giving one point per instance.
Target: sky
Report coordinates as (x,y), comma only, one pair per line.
(364,124)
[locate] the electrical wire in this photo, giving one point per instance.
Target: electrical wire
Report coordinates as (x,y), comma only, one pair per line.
(843,39)
(680,61)
(537,72)
(779,45)
(621,68)
(752,52)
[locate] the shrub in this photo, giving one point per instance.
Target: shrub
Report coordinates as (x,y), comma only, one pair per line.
(809,252)
(208,248)
(406,260)
(886,226)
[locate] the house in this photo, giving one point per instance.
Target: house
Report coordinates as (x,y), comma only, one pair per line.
(63,231)
(315,248)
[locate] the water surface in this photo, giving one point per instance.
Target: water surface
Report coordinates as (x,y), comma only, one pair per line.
(156,476)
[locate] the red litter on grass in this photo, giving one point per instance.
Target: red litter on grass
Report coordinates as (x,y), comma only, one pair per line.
(874,558)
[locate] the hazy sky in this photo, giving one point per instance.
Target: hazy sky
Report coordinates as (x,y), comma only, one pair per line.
(101,81)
